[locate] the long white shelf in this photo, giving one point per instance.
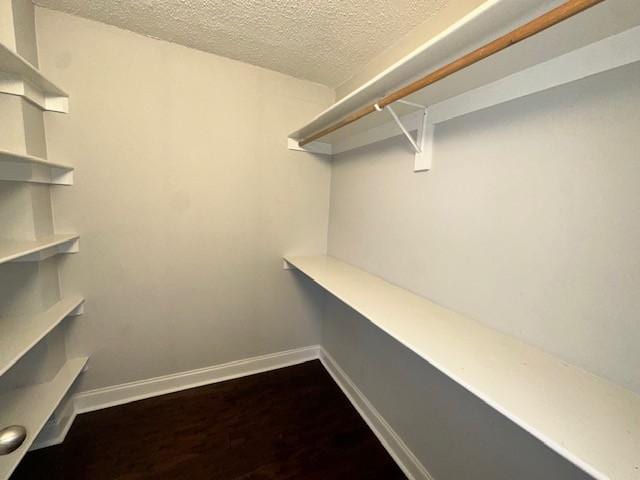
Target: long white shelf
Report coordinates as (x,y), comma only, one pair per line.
(36,250)
(32,406)
(508,72)
(20,334)
(590,421)
(19,77)
(28,168)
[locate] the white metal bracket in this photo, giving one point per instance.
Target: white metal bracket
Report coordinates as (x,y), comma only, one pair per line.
(423,143)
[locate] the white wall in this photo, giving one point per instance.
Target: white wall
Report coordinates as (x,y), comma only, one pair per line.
(528,222)
(186,197)
(453,434)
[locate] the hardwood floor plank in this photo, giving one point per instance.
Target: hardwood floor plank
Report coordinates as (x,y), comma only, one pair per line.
(292,423)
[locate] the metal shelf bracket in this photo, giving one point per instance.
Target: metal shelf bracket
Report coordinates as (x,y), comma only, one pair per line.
(423,143)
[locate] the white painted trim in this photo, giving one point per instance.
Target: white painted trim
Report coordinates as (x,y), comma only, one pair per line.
(604,55)
(68,247)
(58,426)
(612,52)
(139,390)
(21,172)
(19,77)
(14,85)
(381,82)
(391,441)
(492,18)
(56,429)
(314,147)
(30,250)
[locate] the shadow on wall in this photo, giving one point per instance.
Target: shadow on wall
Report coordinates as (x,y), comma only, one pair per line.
(455,435)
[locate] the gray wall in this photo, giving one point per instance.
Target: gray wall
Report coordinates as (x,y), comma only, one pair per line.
(185,197)
(528,222)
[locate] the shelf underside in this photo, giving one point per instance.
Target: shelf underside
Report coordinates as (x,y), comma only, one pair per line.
(483,25)
(36,250)
(32,406)
(590,421)
(28,168)
(19,77)
(19,334)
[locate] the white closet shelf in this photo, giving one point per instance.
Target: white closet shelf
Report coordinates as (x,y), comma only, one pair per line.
(522,69)
(32,406)
(588,420)
(20,334)
(19,77)
(28,168)
(36,250)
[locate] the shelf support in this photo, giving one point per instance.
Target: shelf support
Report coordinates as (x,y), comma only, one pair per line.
(315,147)
(547,20)
(71,246)
(12,84)
(423,144)
(35,173)
(76,312)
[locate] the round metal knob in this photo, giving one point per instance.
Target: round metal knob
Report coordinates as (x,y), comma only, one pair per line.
(11,438)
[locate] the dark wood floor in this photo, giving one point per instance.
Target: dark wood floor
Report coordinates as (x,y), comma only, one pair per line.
(292,423)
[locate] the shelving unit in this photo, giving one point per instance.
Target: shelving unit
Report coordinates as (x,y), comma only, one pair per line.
(37,250)
(590,421)
(32,406)
(601,38)
(19,77)
(20,334)
(27,168)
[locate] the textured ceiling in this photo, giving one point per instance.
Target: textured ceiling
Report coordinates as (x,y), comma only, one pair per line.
(325,41)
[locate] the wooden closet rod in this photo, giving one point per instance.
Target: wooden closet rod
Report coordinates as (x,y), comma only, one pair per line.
(537,25)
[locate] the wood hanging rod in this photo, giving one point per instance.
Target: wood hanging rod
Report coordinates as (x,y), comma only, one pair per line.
(537,25)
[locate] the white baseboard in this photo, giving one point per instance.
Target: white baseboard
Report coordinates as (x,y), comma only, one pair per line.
(56,430)
(130,392)
(398,450)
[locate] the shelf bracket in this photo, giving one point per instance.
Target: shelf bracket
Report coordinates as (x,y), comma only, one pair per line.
(314,147)
(79,310)
(12,84)
(423,144)
(22,172)
(71,246)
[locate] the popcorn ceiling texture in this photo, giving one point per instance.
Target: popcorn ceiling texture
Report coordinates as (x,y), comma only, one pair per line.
(325,41)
